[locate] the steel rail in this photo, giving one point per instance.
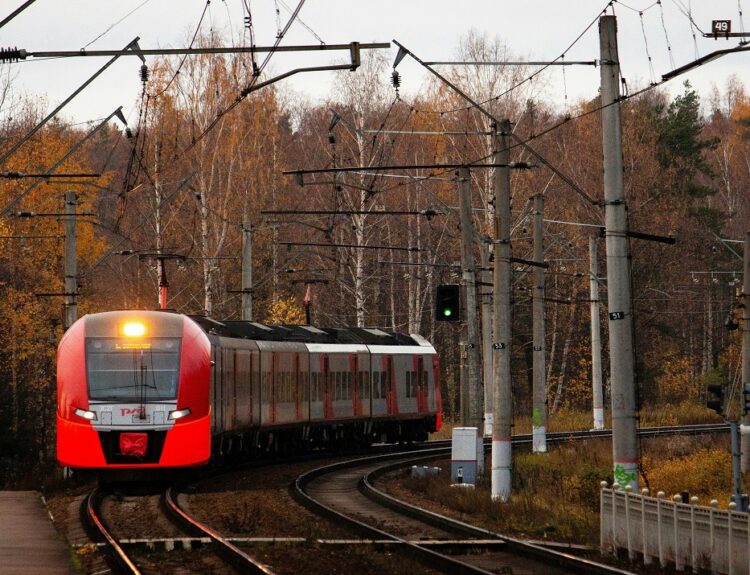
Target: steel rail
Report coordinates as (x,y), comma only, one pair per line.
(436,560)
(432,451)
(231,552)
(118,553)
(517,546)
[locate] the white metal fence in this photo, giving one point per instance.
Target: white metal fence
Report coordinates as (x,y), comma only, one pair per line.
(687,535)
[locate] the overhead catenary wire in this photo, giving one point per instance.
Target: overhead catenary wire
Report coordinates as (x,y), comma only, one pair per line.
(666,35)
(528,78)
(652,75)
(114,24)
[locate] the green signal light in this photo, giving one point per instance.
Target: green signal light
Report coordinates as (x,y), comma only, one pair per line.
(447,312)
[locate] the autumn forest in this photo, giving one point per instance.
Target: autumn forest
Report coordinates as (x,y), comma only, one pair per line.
(201,163)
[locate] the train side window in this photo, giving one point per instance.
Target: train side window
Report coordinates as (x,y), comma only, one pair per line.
(384,381)
(408,384)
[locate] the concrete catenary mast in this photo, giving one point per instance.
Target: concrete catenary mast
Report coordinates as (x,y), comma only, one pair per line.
(539,384)
(624,432)
(501,346)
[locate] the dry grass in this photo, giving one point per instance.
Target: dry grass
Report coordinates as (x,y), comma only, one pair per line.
(575,420)
(556,495)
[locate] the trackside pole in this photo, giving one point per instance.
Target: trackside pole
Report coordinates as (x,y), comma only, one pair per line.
(501,346)
(489,388)
(745,306)
(624,432)
(539,385)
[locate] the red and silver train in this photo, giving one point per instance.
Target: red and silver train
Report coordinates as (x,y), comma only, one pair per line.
(156,389)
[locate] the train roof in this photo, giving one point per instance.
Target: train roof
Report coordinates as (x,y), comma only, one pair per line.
(305,333)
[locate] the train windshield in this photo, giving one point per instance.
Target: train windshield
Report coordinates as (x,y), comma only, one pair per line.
(132,371)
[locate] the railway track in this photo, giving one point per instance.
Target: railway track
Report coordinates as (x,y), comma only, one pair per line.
(120,548)
(426,532)
(345,492)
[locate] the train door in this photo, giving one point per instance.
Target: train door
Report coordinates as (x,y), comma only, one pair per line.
(242,388)
(215,400)
(327,387)
(228,390)
(355,385)
(297,388)
(421,385)
(255,387)
(275,382)
(363,376)
(378,396)
(266,386)
(317,410)
(437,405)
(304,384)
(391,385)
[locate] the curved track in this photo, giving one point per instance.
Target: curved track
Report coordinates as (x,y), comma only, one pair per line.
(335,491)
(344,492)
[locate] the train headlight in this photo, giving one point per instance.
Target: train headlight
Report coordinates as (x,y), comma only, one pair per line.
(90,415)
(134,329)
(179,413)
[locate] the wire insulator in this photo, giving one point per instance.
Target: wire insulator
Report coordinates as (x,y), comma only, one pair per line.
(144,73)
(396,79)
(128,133)
(11,54)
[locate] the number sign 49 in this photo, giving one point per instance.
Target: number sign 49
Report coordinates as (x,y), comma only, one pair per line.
(721,27)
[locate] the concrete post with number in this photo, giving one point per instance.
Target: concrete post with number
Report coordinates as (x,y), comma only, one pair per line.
(502,453)
(539,383)
(475,395)
(624,431)
(489,388)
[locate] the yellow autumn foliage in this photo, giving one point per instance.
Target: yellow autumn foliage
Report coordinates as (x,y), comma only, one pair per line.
(705,473)
(286,310)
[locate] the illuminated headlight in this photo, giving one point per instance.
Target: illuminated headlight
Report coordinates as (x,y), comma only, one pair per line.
(134,329)
(179,413)
(90,415)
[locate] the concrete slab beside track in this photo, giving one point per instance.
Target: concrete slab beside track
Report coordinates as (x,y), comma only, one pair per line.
(29,543)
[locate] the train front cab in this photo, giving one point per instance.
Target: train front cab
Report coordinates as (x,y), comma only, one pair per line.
(133,400)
